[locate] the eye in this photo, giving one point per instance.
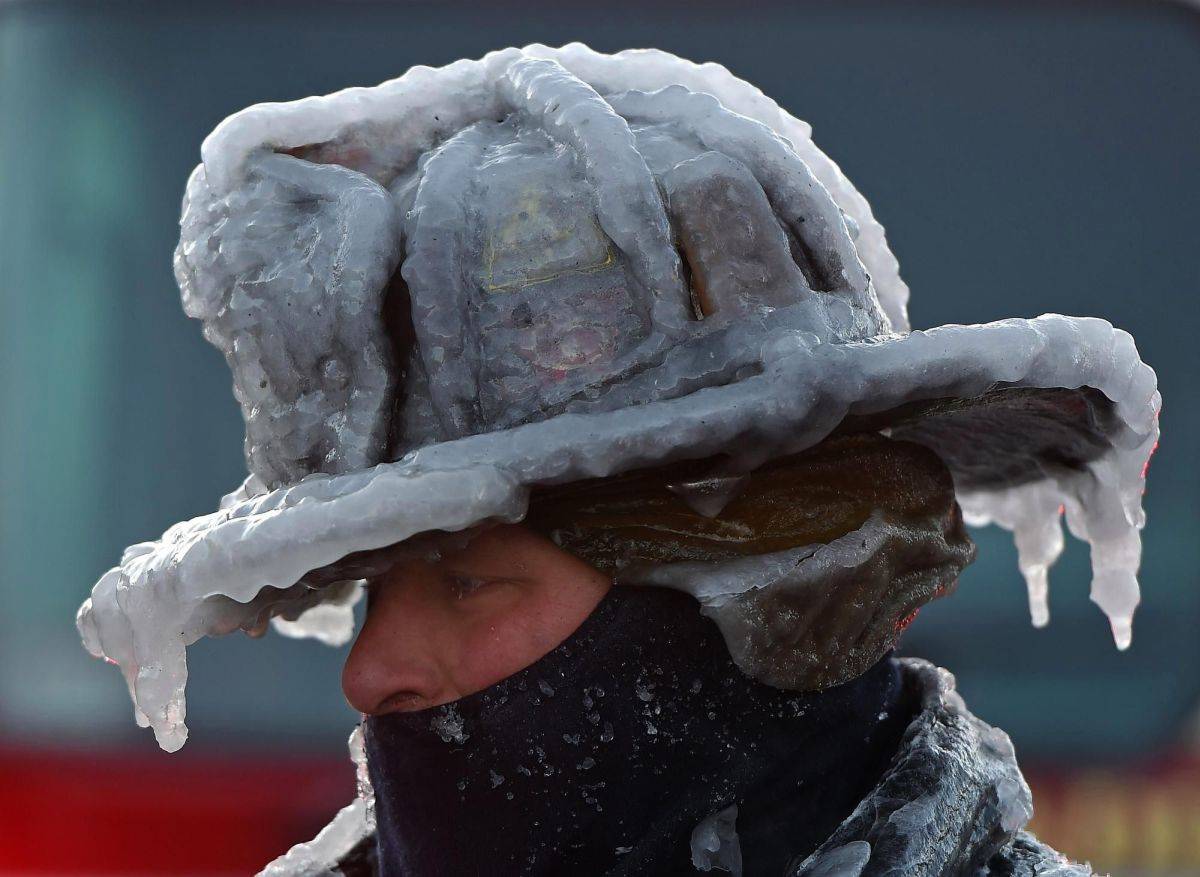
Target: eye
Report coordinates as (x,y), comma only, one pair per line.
(465,585)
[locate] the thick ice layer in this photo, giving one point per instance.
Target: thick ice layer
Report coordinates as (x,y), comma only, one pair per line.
(410,114)
(535,198)
(848,860)
(520,301)
(246,562)
(197,580)
(287,273)
(628,205)
(540,270)
(953,793)
(319,857)
(820,235)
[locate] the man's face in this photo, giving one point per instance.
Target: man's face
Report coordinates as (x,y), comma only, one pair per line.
(437,631)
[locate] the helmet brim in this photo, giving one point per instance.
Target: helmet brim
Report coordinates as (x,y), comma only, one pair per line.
(1051,412)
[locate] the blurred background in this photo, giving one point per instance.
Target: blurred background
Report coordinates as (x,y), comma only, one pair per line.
(1024,157)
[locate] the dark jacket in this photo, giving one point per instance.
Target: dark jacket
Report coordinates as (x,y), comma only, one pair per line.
(952,802)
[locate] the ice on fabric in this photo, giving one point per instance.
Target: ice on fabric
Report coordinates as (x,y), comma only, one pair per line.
(715,844)
(953,785)
(319,857)
(312,224)
(846,861)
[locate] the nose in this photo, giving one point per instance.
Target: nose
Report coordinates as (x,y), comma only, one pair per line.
(391,667)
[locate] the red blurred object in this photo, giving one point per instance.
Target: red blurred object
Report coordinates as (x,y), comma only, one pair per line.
(122,813)
(1139,818)
(74,812)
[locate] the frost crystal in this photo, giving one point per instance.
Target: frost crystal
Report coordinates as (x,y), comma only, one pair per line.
(706,282)
(448,724)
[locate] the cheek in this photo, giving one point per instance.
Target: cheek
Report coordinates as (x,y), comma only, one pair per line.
(496,644)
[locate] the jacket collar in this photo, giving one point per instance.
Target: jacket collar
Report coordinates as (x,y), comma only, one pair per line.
(952,798)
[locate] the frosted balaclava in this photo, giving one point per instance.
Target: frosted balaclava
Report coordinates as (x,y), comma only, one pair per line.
(621,750)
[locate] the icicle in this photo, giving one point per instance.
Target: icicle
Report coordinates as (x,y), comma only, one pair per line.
(1106,512)
(1103,508)
(709,496)
(1032,513)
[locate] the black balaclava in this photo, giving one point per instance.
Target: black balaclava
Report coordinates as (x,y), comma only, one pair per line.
(603,756)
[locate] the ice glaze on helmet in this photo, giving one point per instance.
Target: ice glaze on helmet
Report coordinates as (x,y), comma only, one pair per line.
(552,264)
(566,255)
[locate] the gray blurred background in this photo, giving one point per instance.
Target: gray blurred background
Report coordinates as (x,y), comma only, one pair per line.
(1024,158)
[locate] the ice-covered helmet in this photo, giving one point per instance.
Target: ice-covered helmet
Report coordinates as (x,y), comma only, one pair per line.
(571,251)
(550,265)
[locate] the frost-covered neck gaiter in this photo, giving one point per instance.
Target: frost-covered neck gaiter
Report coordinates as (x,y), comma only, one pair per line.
(606,755)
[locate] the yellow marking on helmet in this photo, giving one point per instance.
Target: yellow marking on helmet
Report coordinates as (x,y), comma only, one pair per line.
(536,240)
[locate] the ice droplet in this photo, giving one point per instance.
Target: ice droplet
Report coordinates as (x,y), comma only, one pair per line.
(709,496)
(1033,514)
(715,843)
(449,725)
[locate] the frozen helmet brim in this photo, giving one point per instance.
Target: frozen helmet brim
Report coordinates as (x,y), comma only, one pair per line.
(250,559)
